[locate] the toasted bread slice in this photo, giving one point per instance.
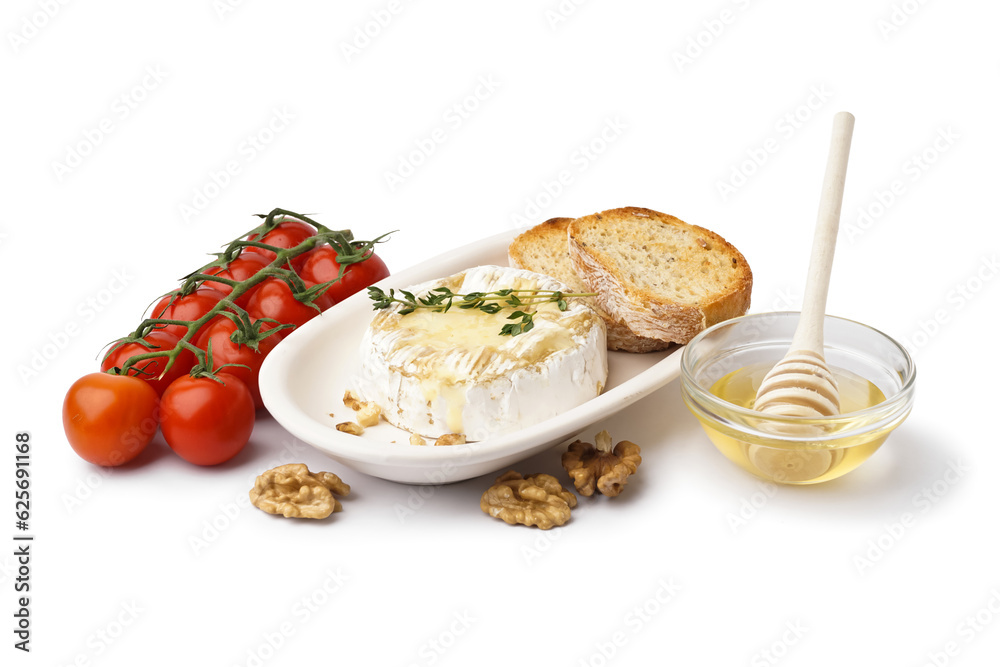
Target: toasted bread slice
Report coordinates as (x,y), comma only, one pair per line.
(545,249)
(665,279)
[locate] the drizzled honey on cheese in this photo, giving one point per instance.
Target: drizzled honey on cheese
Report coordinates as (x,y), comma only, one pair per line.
(452,372)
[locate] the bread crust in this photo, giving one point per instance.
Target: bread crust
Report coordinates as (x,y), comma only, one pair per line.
(645,312)
(551,236)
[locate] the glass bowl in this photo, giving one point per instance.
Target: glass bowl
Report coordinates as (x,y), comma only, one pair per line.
(875,375)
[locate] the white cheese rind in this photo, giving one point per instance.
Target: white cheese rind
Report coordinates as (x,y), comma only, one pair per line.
(458,375)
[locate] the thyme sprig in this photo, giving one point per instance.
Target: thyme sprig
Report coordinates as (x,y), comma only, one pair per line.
(441,299)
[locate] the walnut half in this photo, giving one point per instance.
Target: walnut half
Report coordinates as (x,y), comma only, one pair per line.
(602,467)
(292,491)
(536,500)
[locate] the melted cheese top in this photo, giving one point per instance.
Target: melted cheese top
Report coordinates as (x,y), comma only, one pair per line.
(463,344)
(442,354)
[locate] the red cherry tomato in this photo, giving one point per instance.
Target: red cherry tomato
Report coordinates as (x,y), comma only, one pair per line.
(109,419)
(321,266)
(206,421)
(274,299)
(150,369)
(225,351)
(287,234)
(247,265)
(189,308)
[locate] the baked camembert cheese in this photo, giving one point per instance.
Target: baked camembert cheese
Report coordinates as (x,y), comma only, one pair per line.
(434,373)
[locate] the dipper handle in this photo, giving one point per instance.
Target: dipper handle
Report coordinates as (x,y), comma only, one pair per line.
(809,333)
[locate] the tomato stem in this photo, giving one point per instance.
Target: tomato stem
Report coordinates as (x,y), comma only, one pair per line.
(348,250)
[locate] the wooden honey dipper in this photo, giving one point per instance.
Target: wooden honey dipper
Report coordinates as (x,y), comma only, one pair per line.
(801,384)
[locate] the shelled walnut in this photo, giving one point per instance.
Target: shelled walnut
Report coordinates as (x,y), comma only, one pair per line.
(601,466)
(368,413)
(449,439)
(536,500)
(292,491)
(351,401)
(350,428)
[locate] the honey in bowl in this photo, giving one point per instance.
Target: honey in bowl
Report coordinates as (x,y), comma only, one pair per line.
(723,366)
(802,464)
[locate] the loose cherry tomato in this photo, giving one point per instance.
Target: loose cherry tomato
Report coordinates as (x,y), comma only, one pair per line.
(189,308)
(207,421)
(109,419)
(150,369)
(287,234)
(321,266)
(225,351)
(245,266)
(274,299)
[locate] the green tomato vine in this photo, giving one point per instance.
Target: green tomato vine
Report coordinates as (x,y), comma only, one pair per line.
(342,241)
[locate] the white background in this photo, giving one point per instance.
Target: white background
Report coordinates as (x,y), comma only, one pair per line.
(814,576)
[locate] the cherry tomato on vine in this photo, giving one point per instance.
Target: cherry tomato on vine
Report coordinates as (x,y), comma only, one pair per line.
(150,369)
(247,265)
(225,351)
(287,234)
(321,266)
(274,299)
(109,419)
(189,308)
(207,421)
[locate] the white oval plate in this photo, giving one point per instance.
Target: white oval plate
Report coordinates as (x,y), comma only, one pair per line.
(304,378)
